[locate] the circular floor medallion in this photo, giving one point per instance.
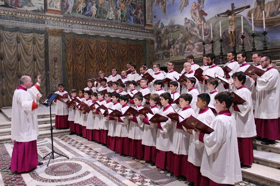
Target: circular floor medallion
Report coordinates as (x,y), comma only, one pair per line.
(63,169)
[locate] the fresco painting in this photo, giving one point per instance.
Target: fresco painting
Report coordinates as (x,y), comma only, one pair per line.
(181,26)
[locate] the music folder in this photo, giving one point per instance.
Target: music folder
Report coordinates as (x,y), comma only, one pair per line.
(237,99)
(198,74)
(116,113)
(193,123)
(145,110)
(174,116)
(254,70)
(157,118)
(130,111)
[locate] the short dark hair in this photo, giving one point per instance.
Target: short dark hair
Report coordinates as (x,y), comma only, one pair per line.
(258,53)
(213,81)
(109,94)
(172,63)
(166,95)
(267,58)
(104,79)
(82,90)
(115,82)
(122,85)
(241,76)
(174,83)
(186,97)
(154,97)
(133,66)
(144,67)
(212,56)
(60,84)
(133,82)
(88,92)
(139,96)
(243,54)
(190,57)
(73,91)
(94,94)
(124,98)
(233,53)
(101,93)
(115,69)
(204,97)
(144,79)
(158,82)
(90,80)
(226,97)
(117,95)
(157,65)
(192,80)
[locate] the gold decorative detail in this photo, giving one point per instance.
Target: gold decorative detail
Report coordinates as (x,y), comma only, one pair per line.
(194,123)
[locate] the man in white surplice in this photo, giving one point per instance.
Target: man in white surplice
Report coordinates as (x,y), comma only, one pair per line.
(24,127)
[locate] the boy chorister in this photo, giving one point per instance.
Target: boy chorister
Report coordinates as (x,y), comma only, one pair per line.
(111,142)
(150,131)
(192,91)
(132,91)
(157,75)
(91,119)
(103,87)
(78,113)
(61,110)
(114,88)
(212,91)
(220,161)
(103,128)
(196,148)
(144,89)
(90,86)
(164,135)
(174,93)
(158,87)
(171,74)
(88,101)
(135,131)
(121,88)
(133,76)
(121,131)
(180,142)
(71,116)
(104,131)
(99,119)
(245,123)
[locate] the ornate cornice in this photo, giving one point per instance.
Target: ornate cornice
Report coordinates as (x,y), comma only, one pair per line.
(72,24)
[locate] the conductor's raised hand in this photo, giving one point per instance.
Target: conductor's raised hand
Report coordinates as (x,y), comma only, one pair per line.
(39,80)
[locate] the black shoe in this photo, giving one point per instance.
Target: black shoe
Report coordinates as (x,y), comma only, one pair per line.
(182,178)
(245,166)
(40,163)
(271,141)
(152,164)
(72,133)
(171,174)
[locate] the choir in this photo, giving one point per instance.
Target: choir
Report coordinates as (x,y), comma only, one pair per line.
(147,116)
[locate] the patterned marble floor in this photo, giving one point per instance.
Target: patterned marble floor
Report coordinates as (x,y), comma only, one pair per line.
(89,164)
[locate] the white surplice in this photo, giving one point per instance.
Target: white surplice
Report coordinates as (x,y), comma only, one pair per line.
(220,160)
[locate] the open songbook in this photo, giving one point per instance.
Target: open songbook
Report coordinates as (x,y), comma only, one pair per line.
(166,80)
(84,107)
(237,99)
(175,101)
(148,77)
(157,118)
(226,69)
(193,123)
(62,98)
(115,113)
(182,79)
(221,78)
(174,116)
(145,110)
(254,70)
(131,111)
(198,74)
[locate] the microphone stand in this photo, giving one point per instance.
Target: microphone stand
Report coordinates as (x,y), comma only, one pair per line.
(48,103)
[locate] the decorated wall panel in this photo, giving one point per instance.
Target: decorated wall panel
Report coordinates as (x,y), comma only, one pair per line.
(181,26)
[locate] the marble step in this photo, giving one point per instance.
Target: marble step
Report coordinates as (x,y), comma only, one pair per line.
(269,159)
(42,127)
(267,148)
(5,125)
(42,134)
(262,175)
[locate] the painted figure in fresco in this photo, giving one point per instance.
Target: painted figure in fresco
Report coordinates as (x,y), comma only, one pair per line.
(190,27)
(172,51)
(138,15)
(16,3)
(93,9)
(110,13)
(53,4)
(201,2)
(131,13)
(88,11)
(274,11)
(231,15)
(69,4)
(183,4)
(119,15)
(80,6)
